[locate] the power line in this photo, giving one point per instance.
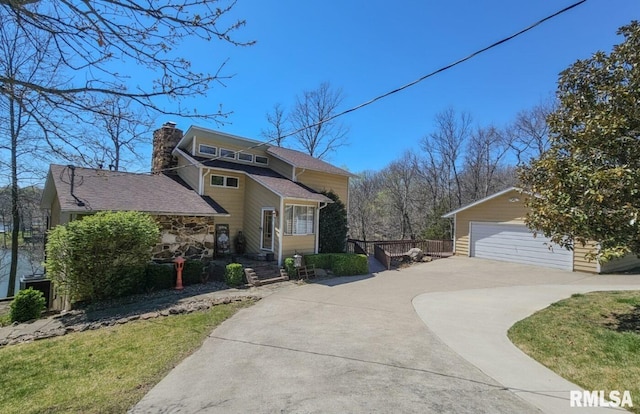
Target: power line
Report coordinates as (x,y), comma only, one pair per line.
(435,72)
(408,85)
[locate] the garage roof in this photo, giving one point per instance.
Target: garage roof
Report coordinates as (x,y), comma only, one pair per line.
(482,200)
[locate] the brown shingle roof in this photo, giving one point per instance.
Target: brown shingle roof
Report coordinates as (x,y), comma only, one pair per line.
(302,160)
(102,190)
(270,179)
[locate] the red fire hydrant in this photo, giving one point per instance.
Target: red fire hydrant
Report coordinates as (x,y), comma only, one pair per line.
(179,261)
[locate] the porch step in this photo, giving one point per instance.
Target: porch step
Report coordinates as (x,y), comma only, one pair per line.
(262,275)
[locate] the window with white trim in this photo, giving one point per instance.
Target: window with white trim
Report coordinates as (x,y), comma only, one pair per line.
(243,156)
(299,219)
(207,149)
(225,153)
(262,160)
(223,181)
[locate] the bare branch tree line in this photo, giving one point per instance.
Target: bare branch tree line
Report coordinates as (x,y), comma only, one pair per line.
(456,164)
(66,92)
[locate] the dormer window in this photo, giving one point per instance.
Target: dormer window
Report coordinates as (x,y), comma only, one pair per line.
(207,150)
(225,153)
(243,156)
(262,160)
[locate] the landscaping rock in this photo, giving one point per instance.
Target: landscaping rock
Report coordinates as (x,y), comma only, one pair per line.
(124,310)
(415,254)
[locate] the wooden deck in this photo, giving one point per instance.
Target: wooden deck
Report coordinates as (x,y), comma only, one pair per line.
(387,250)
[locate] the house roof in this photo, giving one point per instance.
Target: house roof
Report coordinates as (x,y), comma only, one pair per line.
(269,179)
(302,160)
(102,190)
(482,200)
(293,157)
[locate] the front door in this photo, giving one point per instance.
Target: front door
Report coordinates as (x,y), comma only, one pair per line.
(267,230)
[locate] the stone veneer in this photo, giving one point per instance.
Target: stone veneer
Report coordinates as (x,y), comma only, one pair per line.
(165,140)
(188,236)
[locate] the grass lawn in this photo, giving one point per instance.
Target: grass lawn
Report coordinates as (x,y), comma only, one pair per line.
(592,340)
(102,371)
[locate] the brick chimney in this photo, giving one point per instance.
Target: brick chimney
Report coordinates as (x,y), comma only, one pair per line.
(165,140)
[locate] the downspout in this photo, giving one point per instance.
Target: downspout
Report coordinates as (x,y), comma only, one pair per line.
(281,233)
(201,183)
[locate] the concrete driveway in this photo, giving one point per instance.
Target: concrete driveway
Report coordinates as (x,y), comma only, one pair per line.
(357,344)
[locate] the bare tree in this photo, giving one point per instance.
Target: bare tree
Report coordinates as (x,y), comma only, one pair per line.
(91,40)
(399,181)
(486,149)
(316,133)
(118,131)
(528,135)
(447,144)
(21,63)
(364,220)
(277,121)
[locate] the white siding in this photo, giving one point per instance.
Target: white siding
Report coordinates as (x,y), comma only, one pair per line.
(515,243)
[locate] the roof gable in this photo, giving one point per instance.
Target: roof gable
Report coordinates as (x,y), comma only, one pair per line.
(482,200)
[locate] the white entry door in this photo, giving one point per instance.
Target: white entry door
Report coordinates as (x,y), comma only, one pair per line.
(515,243)
(266,228)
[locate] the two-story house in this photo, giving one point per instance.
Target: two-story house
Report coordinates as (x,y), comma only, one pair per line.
(207,188)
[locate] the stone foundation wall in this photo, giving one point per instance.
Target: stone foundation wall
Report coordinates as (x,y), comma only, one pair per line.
(188,236)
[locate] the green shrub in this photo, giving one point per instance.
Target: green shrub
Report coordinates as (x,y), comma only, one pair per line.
(28,304)
(192,272)
(320,261)
(332,230)
(234,274)
(350,264)
(101,256)
(341,264)
(159,277)
(290,268)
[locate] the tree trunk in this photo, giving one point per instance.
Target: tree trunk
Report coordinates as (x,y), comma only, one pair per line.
(15,212)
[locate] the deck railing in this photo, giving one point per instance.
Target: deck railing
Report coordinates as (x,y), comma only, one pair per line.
(385,250)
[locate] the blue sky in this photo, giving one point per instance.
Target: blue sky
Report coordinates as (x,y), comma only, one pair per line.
(370,47)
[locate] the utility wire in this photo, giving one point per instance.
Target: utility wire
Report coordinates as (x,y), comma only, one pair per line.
(408,85)
(435,72)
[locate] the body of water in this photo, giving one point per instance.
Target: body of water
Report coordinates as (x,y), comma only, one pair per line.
(25,267)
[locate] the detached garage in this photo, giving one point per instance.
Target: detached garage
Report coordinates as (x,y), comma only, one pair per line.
(493,228)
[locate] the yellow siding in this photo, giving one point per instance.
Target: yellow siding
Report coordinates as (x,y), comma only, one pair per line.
(580,262)
(497,210)
(300,244)
(55,212)
(257,198)
(189,173)
(320,181)
(281,167)
(221,142)
(303,244)
(231,199)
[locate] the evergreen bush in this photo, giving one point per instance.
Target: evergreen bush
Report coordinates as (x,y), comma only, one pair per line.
(159,277)
(27,305)
(341,264)
(332,232)
(290,268)
(192,272)
(234,274)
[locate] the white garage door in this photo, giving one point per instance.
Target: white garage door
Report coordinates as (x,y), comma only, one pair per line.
(515,243)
